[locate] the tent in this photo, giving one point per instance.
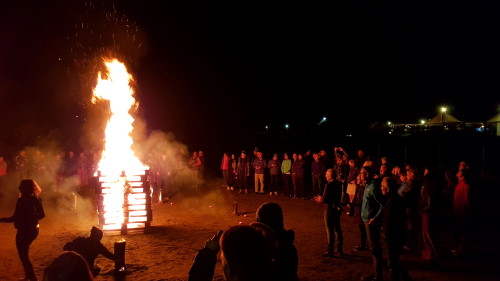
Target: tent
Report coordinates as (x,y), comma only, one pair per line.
(494,122)
(443,118)
(494,119)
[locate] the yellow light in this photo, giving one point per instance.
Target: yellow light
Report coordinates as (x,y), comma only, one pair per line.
(443,109)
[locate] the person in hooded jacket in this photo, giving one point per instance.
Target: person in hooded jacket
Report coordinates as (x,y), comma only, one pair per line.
(286,259)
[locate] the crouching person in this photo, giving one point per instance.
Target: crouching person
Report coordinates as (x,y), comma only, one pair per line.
(90,247)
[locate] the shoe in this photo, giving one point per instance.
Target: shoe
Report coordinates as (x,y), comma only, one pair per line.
(360,248)
(328,254)
(339,252)
(232,188)
(270,193)
(240,192)
(275,193)
(228,188)
(246,191)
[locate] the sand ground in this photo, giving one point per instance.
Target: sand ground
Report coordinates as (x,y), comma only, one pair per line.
(182,225)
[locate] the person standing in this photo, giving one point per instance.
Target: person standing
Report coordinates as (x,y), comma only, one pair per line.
(274,171)
(462,211)
(29,210)
(317,172)
(351,184)
(371,214)
(394,228)
(201,167)
(298,176)
(194,164)
(286,171)
(428,210)
(259,164)
(331,198)
(243,171)
(3,174)
(231,172)
(341,171)
(357,203)
(224,166)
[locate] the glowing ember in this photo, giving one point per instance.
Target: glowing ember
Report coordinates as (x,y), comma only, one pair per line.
(119,167)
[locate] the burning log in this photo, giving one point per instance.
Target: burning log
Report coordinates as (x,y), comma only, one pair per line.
(120,257)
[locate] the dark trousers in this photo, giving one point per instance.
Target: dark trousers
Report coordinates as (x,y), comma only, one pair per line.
(332,224)
(242,182)
(317,184)
(225,176)
(362,234)
(298,185)
(373,234)
(394,249)
(287,182)
(24,238)
(274,183)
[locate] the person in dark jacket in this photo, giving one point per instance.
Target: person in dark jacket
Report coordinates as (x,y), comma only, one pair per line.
(90,247)
(286,260)
(246,255)
(28,212)
(274,166)
(243,172)
(69,265)
(394,228)
(357,203)
(371,214)
(332,200)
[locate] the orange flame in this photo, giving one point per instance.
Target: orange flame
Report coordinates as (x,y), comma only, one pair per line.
(118,164)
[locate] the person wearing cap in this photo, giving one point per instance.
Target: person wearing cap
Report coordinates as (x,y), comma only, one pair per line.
(274,171)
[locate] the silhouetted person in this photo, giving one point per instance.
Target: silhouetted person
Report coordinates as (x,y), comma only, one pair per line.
(245,253)
(371,214)
(286,259)
(332,199)
(90,247)
(394,228)
(68,266)
(462,211)
(28,212)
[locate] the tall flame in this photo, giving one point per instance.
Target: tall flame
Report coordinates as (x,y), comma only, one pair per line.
(118,155)
(118,161)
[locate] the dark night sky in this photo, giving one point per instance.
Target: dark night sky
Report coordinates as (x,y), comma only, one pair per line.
(205,68)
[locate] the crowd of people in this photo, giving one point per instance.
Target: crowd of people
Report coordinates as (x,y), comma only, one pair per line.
(399,206)
(406,207)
